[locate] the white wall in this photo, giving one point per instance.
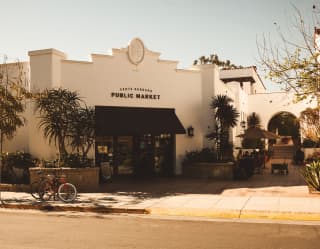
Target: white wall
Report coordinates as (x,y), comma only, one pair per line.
(45,68)
(267,105)
(212,86)
(189,92)
(241,104)
(96,80)
(208,74)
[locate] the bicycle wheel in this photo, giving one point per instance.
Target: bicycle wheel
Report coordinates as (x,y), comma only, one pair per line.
(46,190)
(34,190)
(67,192)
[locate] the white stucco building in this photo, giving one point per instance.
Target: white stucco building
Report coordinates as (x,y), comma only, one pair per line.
(144,103)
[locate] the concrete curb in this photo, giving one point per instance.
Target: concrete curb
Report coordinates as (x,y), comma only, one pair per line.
(293,216)
(206,213)
(60,208)
(186,212)
(236,214)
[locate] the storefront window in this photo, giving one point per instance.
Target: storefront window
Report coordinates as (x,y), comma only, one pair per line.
(140,155)
(104,150)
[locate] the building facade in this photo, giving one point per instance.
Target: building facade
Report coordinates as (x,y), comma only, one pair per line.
(145,106)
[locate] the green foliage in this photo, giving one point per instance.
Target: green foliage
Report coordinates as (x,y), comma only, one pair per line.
(12,99)
(204,155)
(214,59)
(65,122)
(294,63)
(55,108)
(254,120)
(226,117)
(311,175)
(309,119)
(82,130)
(225,114)
(10,113)
(75,161)
(49,163)
(309,143)
(18,160)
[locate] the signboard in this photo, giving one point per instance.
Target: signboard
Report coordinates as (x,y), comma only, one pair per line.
(135,93)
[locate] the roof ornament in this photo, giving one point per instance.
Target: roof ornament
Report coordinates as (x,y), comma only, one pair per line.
(136,50)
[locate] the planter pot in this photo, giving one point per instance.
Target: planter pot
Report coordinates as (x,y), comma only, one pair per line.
(218,171)
(18,172)
(85,179)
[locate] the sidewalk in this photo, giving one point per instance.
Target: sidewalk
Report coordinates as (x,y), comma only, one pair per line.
(262,197)
(198,205)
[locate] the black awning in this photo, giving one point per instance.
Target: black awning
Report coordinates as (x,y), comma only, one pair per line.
(111,121)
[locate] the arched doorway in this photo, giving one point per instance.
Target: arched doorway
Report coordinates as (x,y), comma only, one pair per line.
(286,125)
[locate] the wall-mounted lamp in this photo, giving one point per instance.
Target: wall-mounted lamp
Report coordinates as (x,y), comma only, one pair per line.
(243,124)
(190,131)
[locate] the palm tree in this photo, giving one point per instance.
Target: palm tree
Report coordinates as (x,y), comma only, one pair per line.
(226,117)
(56,107)
(254,120)
(82,130)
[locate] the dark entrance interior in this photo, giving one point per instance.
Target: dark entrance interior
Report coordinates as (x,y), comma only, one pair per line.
(137,141)
(285,124)
(139,155)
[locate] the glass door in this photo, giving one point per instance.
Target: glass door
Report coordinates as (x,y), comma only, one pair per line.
(144,155)
(125,155)
(153,155)
(104,153)
(164,154)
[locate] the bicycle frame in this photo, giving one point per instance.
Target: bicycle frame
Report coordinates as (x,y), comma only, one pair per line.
(52,186)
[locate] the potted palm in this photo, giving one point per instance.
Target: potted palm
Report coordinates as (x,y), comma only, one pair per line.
(226,117)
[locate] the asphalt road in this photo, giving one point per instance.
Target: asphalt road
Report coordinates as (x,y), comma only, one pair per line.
(38,230)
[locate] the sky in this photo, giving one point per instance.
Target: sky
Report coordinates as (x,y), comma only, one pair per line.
(180,30)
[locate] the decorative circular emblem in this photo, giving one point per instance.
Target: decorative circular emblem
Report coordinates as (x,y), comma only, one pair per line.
(136,51)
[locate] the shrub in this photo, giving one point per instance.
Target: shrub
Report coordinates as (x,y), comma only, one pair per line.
(49,163)
(204,155)
(20,160)
(75,161)
(68,161)
(311,174)
(309,143)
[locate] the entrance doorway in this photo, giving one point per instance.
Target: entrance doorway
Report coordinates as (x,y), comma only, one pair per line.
(136,141)
(139,155)
(286,125)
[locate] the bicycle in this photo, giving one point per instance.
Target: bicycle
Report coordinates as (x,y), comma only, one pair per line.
(34,187)
(57,186)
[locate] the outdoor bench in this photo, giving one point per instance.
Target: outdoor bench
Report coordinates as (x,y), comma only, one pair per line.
(280,167)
